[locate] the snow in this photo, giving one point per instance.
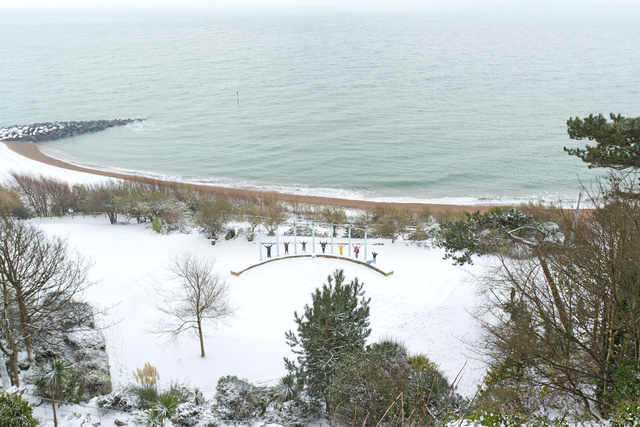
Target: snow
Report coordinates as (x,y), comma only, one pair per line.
(11,161)
(426,303)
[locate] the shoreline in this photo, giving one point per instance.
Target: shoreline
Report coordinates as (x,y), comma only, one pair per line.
(31,151)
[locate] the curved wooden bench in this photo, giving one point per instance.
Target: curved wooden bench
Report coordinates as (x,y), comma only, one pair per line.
(355,261)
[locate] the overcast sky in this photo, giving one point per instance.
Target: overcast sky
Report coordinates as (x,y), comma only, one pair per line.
(239,4)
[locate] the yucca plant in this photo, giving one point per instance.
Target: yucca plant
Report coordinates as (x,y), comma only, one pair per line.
(286,389)
(53,375)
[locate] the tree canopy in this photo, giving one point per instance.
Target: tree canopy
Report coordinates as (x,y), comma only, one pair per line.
(617,141)
(336,324)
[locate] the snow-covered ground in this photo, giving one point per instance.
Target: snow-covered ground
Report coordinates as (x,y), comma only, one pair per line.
(425,303)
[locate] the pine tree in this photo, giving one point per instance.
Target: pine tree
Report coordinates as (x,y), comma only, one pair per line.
(617,141)
(336,324)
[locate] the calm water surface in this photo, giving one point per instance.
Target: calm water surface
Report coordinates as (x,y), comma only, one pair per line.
(450,106)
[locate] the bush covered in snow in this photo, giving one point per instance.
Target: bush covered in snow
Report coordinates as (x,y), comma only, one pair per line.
(85,339)
(237,400)
(119,401)
(297,411)
(300,231)
(190,414)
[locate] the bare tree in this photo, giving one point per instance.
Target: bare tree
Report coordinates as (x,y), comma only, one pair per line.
(202,297)
(46,196)
(567,319)
(40,280)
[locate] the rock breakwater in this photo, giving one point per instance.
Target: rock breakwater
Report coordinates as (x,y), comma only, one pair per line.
(41,132)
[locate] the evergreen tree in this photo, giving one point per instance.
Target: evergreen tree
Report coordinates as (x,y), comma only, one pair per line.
(336,324)
(617,142)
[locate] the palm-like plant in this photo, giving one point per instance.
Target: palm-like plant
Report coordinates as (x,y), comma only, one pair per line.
(53,375)
(286,389)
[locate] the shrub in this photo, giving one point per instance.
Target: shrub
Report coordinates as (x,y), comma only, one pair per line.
(274,214)
(333,215)
(213,215)
(626,415)
(146,395)
(157,225)
(390,222)
(188,414)
(182,393)
(198,398)
(384,382)
(503,418)
(46,196)
(627,384)
(151,418)
(10,203)
(239,400)
(301,231)
(360,223)
(361,390)
(541,212)
(447,215)
(15,412)
(420,234)
(505,389)
(425,215)
(118,402)
(420,362)
(296,412)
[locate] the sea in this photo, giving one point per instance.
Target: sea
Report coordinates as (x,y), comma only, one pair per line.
(445,105)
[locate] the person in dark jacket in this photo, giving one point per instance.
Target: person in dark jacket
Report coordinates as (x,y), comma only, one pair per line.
(268,250)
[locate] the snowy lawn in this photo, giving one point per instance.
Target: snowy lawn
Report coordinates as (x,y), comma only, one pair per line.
(425,303)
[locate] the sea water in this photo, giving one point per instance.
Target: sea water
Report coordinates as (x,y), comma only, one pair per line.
(449,105)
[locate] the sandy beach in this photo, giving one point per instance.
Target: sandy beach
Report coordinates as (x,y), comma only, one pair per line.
(31,151)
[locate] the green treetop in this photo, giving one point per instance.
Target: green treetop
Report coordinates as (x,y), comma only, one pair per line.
(336,324)
(617,141)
